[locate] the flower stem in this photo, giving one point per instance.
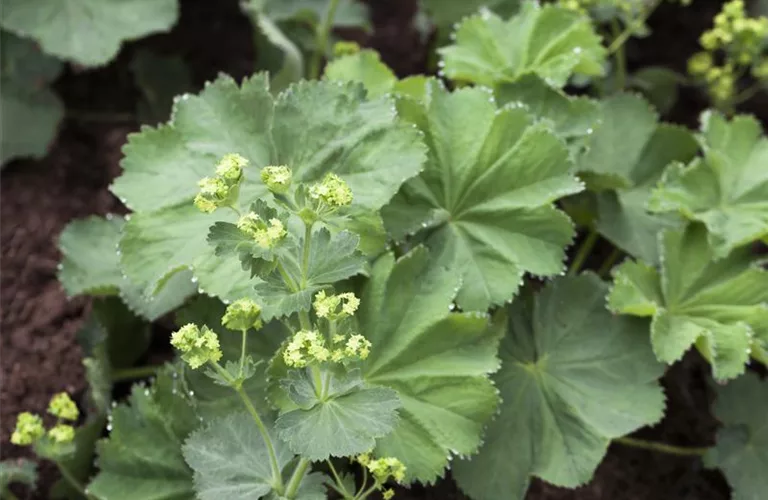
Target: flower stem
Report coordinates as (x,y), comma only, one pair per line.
(134,373)
(323,31)
(287,277)
(341,489)
(683,451)
(305,254)
(621,59)
(583,252)
(631,27)
(243,347)
(606,267)
(298,475)
(277,478)
(72,480)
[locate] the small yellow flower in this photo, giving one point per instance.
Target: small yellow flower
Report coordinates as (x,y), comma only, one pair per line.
(242,315)
(230,168)
(62,406)
(332,191)
(335,307)
(388,494)
(62,433)
(277,179)
(29,428)
(384,468)
(267,236)
(198,346)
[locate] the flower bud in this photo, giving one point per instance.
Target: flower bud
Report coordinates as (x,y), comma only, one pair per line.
(62,406)
(242,315)
(230,168)
(345,48)
(198,346)
(62,433)
(267,236)
(335,307)
(29,428)
(277,179)
(384,468)
(332,191)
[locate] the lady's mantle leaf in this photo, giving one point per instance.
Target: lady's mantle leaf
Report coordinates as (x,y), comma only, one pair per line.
(486,195)
(344,423)
(87,32)
(230,459)
(142,459)
(446,12)
(742,444)
(719,305)
(626,157)
(573,377)
(551,41)
(364,67)
(313,127)
(91,265)
(727,189)
(437,361)
(31,111)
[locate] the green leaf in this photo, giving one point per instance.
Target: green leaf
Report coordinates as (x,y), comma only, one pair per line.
(91,265)
(19,470)
(485,198)
(344,422)
(551,42)
(727,190)
(660,86)
(230,459)
(741,451)
(331,259)
(88,32)
(718,305)
(159,78)
(573,377)
(349,13)
(436,360)
(626,157)
(142,458)
(364,67)
(570,117)
(313,127)
(31,111)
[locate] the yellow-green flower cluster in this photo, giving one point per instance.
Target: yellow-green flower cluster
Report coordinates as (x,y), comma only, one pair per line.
(737,40)
(63,407)
(29,428)
(266,235)
(335,307)
(383,468)
(306,346)
(241,315)
(357,346)
(221,190)
(332,191)
(62,433)
(277,179)
(198,346)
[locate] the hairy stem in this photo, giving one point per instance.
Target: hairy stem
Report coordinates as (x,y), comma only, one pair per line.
(341,489)
(684,451)
(287,278)
(619,40)
(134,373)
(298,475)
(323,32)
(621,59)
(584,250)
(72,480)
(305,254)
(277,478)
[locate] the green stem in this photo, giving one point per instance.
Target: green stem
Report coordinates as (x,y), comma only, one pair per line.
(304,321)
(72,480)
(684,451)
(364,494)
(323,31)
(242,352)
(298,475)
(583,253)
(624,35)
(134,373)
(305,254)
(606,267)
(287,278)
(621,59)
(277,478)
(317,378)
(746,94)
(336,478)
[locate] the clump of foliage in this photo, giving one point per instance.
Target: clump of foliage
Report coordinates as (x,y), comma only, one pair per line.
(355,268)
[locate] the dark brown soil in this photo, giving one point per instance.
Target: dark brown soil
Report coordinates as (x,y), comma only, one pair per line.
(39,355)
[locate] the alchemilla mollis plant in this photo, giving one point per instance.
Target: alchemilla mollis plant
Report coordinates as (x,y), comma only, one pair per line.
(376,280)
